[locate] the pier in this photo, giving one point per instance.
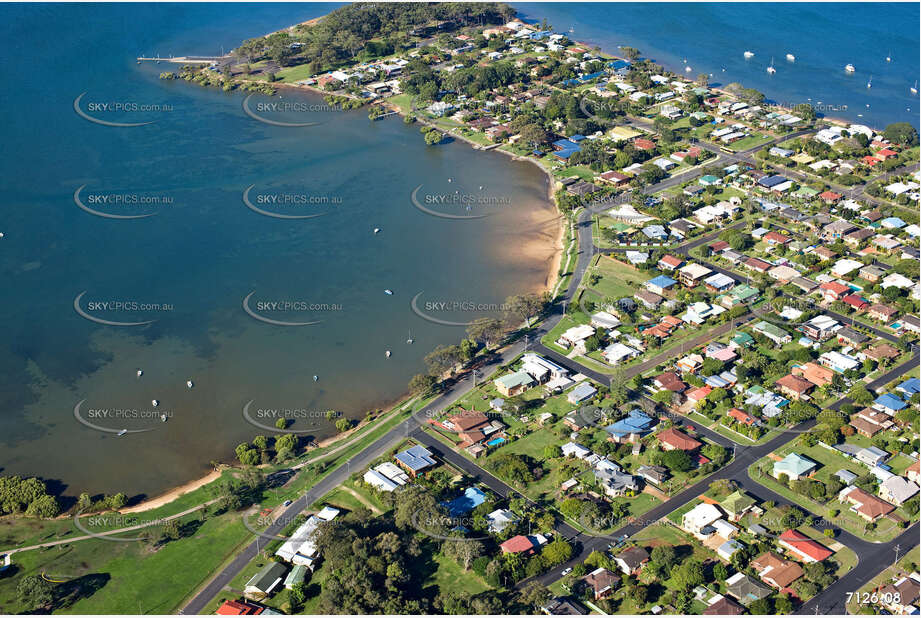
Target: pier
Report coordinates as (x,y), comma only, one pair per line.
(185,59)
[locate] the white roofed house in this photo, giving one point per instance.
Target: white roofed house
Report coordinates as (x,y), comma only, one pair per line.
(897,490)
(698,520)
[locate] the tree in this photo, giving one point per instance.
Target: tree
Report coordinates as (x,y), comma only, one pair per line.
(688,574)
(552,451)
(534,595)
(44,507)
(902,133)
(485,330)
(442,358)
(247,455)
(34,592)
(557,552)
(343,424)
(524,306)
(860,395)
(422,384)
(463,552)
(664,556)
(117,501)
(761,607)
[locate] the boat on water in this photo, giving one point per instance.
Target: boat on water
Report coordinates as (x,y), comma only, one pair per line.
(771,68)
(889,57)
(791,57)
(122,432)
(155,402)
(388,292)
(849,68)
(387,353)
(688,69)
(748,54)
(870,82)
(315,378)
(377,230)
(140,372)
(189,383)
(914,89)
(163,418)
(410,339)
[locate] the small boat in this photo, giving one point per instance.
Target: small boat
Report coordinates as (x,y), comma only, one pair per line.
(315,378)
(849,68)
(889,57)
(748,54)
(870,82)
(450,180)
(122,432)
(387,353)
(914,90)
(481,187)
(377,230)
(410,339)
(685,60)
(688,69)
(189,383)
(771,68)
(791,57)
(140,372)
(388,292)
(163,418)
(155,402)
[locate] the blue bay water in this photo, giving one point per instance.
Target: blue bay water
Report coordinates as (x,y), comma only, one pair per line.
(823,37)
(205,251)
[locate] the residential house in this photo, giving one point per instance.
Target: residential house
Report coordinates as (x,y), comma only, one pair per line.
(660,284)
(631,428)
(602,583)
(415,460)
(670,262)
(737,504)
(631,560)
(776,571)
(698,521)
(235,607)
(746,589)
(794,386)
(266,581)
(524,545)
(653,474)
(882,313)
(742,417)
(671,439)
(772,332)
(648,299)
(514,383)
(723,606)
(691,274)
(901,597)
(897,490)
(500,519)
(581,393)
(794,467)
(803,547)
(820,327)
(864,504)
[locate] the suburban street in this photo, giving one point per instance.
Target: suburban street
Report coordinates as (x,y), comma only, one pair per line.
(874,557)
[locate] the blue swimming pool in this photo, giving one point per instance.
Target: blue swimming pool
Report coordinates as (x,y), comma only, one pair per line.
(495,442)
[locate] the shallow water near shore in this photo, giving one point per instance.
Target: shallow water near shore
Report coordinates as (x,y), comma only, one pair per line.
(202,252)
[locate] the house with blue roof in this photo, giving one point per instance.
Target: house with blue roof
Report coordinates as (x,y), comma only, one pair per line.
(889,403)
(660,284)
(910,386)
(464,503)
(771,181)
(655,232)
(893,223)
(794,466)
(630,429)
(416,459)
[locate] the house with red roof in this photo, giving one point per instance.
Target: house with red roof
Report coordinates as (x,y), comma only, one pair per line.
(870,161)
(673,440)
(855,301)
(832,290)
(699,394)
(829,197)
(615,178)
(757,265)
(775,238)
(670,262)
(238,608)
(886,153)
(794,386)
(718,246)
(642,143)
(670,381)
(522,544)
(741,416)
(803,547)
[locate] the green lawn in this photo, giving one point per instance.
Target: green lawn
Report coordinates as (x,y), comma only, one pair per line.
(450,576)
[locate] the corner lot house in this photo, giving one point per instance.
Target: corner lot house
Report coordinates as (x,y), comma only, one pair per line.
(794,466)
(514,383)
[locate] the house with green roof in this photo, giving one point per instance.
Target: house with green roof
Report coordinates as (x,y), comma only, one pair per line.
(743,340)
(737,504)
(513,383)
(738,295)
(708,180)
(794,466)
(296,576)
(772,332)
(805,192)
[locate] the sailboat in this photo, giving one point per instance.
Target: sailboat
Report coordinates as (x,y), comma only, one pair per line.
(791,57)
(870,82)
(849,68)
(914,89)
(771,68)
(889,57)
(387,353)
(410,339)
(748,54)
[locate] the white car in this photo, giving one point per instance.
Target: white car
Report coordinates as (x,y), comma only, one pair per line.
(566,571)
